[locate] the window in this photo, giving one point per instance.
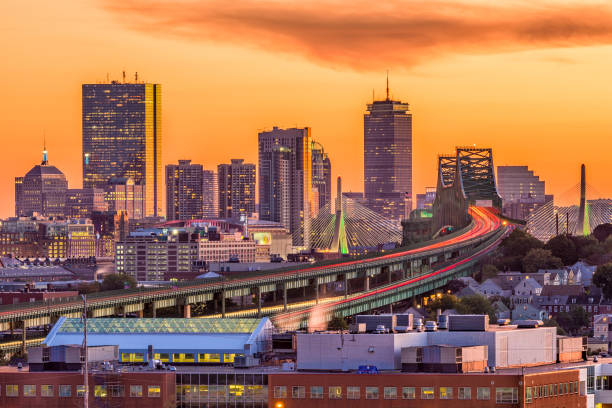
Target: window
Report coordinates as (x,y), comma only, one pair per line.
(427,393)
(556,390)
(545,391)
(465,393)
(372,393)
(46,390)
(155,391)
(390,393)
(100,391)
(550,390)
(135,390)
(408,393)
(566,388)
(446,392)
(116,390)
(528,394)
(506,395)
(316,392)
(335,392)
(29,390)
(483,393)
(12,390)
(298,392)
(576,389)
(65,391)
(280,391)
(353,392)
(80,390)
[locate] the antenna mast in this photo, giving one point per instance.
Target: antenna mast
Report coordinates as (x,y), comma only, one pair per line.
(86,367)
(387,84)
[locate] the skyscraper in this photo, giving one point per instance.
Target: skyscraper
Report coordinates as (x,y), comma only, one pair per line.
(521,191)
(210,194)
(285,170)
(184,184)
(42,190)
(122,137)
(321,174)
(236,183)
(387,139)
(82,202)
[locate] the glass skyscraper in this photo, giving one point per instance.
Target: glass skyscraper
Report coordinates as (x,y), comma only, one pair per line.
(321,175)
(122,137)
(387,139)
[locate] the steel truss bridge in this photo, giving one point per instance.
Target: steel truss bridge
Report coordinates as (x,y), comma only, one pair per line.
(465,181)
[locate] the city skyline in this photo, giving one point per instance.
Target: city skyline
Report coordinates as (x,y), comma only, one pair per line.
(536,122)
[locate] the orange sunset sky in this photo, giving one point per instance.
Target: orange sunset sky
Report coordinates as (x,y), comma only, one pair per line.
(532,81)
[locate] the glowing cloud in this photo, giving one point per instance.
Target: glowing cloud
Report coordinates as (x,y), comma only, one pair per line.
(368,35)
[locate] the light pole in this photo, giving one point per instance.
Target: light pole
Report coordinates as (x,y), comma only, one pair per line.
(86,368)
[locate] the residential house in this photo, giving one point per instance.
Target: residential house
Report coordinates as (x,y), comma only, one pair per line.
(490,288)
(528,311)
(586,271)
(501,310)
(525,291)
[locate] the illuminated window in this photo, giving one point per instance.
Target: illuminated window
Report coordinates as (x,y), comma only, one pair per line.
(163,357)
(483,393)
(335,392)
(427,393)
(280,391)
(65,390)
(46,390)
(29,390)
(353,392)
(528,394)
(446,392)
(209,358)
(298,392)
(390,393)
(316,392)
(465,393)
(183,357)
(154,391)
(228,358)
(100,391)
(408,393)
(12,390)
(80,389)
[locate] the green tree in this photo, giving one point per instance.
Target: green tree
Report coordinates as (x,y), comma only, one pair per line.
(540,259)
(602,278)
(574,320)
(89,287)
(519,243)
(563,247)
(553,323)
(476,304)
(444,302)
(116,281)
(488,271)
(337,323)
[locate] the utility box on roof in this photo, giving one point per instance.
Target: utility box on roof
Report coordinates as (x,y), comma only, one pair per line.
(468,322)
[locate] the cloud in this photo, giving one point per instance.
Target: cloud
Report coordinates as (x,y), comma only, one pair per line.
(365,35)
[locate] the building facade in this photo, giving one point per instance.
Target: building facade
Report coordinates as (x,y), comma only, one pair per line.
(82,202)
(236,184)
(124,195)
(210,194)
(387,138)
(223,251)
(122,137)
(521,191)
(285,163)
(321,175)
(184,195)
(41,191)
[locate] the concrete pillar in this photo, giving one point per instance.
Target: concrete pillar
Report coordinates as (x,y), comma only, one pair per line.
(223,303)
(274,296)
(187,311)
(23,337)
(346,290)
(153,310)
(316,292)
(258,301)
(141,312)
(367,283)
(285,296)
(390,276)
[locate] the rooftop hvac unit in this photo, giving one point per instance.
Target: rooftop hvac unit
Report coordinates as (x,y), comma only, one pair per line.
(245,361)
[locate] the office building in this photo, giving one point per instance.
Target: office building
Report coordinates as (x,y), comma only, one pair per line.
(521,191)
(184,198)
(226,250)
(122,194)
(285,164)
(82,202)
(425,201)
(321,175)
(122,137)
(41,191)
(210,194)
(236,183)
(387,138)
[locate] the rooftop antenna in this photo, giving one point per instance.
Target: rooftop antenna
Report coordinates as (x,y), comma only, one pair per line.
(136,77)
(44,152)
(107,77)
(124,76)
(387,84)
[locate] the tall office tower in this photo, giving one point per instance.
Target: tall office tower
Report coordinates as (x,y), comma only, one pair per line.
(236,183)
(521,191)
(210,194)
(288,149)
(82,202)
(184,184)
(42,190)
(122,194)
(321,174)
(122,137)
(387,139)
